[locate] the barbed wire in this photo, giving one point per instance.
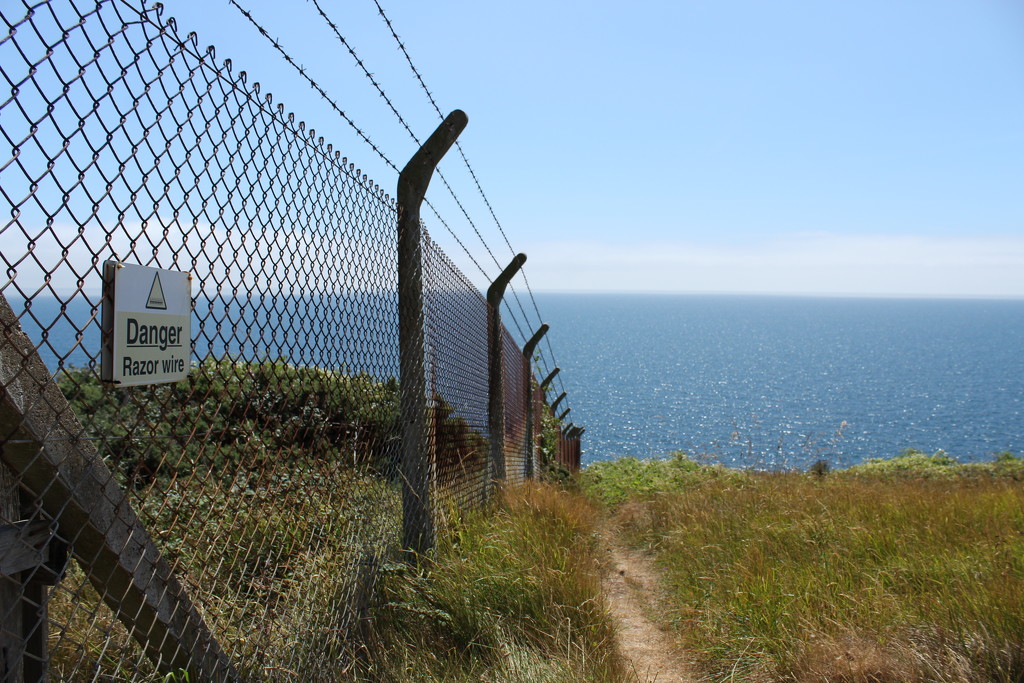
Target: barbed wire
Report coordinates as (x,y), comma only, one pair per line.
(380,153)
(380,91)
(472,173)
(451,232)
(334,105)
(401,119)
(302,72)
(433,102)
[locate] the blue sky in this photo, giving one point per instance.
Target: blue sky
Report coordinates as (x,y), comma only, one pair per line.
(810,147)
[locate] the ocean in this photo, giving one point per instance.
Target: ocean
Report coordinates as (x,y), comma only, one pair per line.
(780,382)
(753,381)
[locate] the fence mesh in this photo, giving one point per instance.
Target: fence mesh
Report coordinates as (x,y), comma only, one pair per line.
(455,322)
(233,523)
(516,370)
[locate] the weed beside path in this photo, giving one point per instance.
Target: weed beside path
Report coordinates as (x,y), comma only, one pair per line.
(512,594)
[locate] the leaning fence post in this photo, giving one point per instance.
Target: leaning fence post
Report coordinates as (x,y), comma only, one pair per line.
(12,642)
(66,478)
(496,370)
(528,354)
(417,523)
(554,406)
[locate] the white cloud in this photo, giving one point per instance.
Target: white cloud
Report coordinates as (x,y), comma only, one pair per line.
(818,263)
(260,261)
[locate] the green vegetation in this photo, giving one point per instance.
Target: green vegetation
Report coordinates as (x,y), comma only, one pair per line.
(271,562)
(548,467)
(907,569)
(272,489)
(228,415)
(512,594)
(915,464)
(269,487)
(612,483)
(910,569)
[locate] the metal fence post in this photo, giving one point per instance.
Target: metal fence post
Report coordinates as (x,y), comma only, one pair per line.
(554,406)
(528,354)
(417,522)
(496,371)
(547,380)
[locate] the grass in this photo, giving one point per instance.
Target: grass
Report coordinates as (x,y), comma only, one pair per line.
(512,594)
(278,584)
(279,517)
(910,569)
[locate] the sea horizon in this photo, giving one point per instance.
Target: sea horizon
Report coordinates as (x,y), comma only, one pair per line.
(786,295)
(752,380)
(781,381)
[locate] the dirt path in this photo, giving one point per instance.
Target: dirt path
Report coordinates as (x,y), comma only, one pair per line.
(631,587)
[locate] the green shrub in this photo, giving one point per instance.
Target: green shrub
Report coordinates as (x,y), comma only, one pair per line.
(238,414)
(612,482)
(915,464)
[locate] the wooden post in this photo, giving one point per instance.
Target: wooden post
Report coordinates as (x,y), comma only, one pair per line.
(496,372)
(42,446)
(417,522)
(12,641)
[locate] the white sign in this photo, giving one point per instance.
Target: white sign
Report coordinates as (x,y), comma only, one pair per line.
(147,324)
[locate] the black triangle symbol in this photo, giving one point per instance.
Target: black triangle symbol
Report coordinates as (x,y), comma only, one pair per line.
(156,295)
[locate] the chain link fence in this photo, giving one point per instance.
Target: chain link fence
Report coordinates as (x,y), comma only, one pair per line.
(229,525)
(457,362)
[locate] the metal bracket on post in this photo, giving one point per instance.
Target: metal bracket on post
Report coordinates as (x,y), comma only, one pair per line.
(564,413)
(531,345)
(554,406)
(547,380)
(495,373)
(417,521)
(528,350)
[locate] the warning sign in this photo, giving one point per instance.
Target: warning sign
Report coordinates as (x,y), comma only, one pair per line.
(156,295)
(147,324)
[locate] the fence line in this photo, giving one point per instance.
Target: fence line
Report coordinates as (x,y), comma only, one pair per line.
(231,524)
(380,91)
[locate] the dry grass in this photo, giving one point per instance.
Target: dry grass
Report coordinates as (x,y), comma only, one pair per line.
(858,576)
(513,594)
